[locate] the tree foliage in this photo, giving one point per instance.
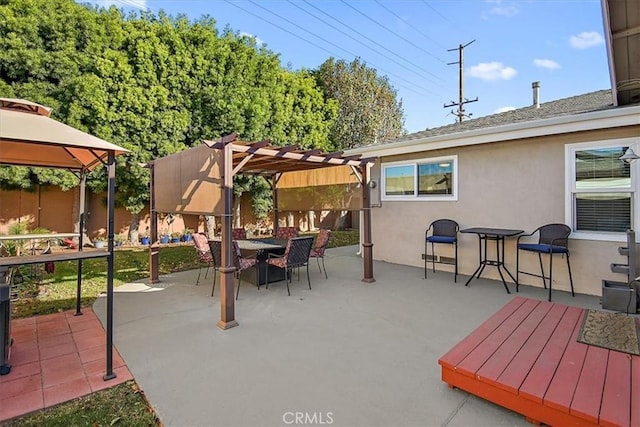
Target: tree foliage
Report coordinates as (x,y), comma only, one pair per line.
(153,84)
(368,109)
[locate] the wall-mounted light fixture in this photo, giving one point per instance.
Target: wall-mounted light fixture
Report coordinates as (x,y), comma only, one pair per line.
(629,156)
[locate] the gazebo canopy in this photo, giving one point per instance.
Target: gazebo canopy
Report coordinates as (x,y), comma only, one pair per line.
(24,123)
(29,137)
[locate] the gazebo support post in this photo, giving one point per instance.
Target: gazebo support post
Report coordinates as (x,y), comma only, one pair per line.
(154,246)
(111,192)
(83,216)
(276,213)
(367,246)
(227,303)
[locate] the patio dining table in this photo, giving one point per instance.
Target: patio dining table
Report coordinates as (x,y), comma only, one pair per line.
(261,248)
(498,235)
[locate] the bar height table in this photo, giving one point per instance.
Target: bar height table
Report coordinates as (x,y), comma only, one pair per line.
(498,235)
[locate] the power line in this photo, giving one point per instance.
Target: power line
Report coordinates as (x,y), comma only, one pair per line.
(410,25)
(132,3)
(412,89)
(441,15)
(391,31)
(364,44)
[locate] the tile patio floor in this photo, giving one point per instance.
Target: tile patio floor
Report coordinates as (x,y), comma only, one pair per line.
(56,358)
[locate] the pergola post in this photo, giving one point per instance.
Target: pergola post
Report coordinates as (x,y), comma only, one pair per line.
(227,303)
(154,246)
(367,246)
(276,213)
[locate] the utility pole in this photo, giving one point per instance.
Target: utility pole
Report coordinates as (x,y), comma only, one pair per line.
(461,99)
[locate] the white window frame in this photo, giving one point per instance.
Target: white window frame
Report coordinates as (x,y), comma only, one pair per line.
(415,197)
(570,188)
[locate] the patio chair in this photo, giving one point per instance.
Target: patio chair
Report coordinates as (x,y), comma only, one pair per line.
(238,234)
(296,255)
(443,231)
(216,252)
(286,232)
(241,263)
(552,239)
(205,256)
(317,252)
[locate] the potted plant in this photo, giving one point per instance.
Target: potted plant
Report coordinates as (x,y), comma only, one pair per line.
(176,236)
(144,238)
(99,242)
(164,236)
(119,239)
(187,235)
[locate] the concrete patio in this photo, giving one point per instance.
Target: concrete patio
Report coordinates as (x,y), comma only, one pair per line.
(345,353)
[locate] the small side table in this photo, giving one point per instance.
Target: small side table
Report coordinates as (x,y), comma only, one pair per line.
(498,235)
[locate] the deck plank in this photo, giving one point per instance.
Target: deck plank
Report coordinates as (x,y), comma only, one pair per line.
(478,356)
(516,372)
(588,395)
(539,377)
(504,355)
(616,397)
(563,384)
(471,341)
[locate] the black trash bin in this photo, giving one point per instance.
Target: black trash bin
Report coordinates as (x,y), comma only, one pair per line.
(5,322)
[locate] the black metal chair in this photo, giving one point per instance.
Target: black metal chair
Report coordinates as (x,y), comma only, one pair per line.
(552,239)
(216,253)
(296,254)
(242,263)
(443,231)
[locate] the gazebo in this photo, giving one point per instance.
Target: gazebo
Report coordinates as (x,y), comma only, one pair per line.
(29,137)
(200,181)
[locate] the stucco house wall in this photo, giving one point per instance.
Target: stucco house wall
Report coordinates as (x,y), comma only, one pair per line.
(513,172)
(518,184)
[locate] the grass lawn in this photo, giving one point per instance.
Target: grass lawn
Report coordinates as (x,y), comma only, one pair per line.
(57,292)
(124,404)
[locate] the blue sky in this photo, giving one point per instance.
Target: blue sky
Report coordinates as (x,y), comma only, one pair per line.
(559,43)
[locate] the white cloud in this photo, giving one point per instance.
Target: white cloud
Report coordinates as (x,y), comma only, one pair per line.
(507,11)
(504,110)
(585,40)
(138,4)
(492,71)
(259,41)
(546,63)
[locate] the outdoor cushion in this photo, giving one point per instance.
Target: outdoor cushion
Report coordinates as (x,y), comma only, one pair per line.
(441,239)
(539,247)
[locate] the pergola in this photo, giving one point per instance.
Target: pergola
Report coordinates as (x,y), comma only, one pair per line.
(29,137)
(200,181)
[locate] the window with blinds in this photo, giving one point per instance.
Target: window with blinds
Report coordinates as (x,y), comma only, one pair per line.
(601,190)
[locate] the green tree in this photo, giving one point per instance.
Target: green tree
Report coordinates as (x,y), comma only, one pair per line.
(153,84)
(368,110)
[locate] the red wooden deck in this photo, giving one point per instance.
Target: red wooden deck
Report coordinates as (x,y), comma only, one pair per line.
(526,357)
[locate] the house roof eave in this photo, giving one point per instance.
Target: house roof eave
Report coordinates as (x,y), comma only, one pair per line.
(604,119)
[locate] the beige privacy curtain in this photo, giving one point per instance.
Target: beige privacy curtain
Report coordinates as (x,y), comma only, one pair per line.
(335,188)
(189,182)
